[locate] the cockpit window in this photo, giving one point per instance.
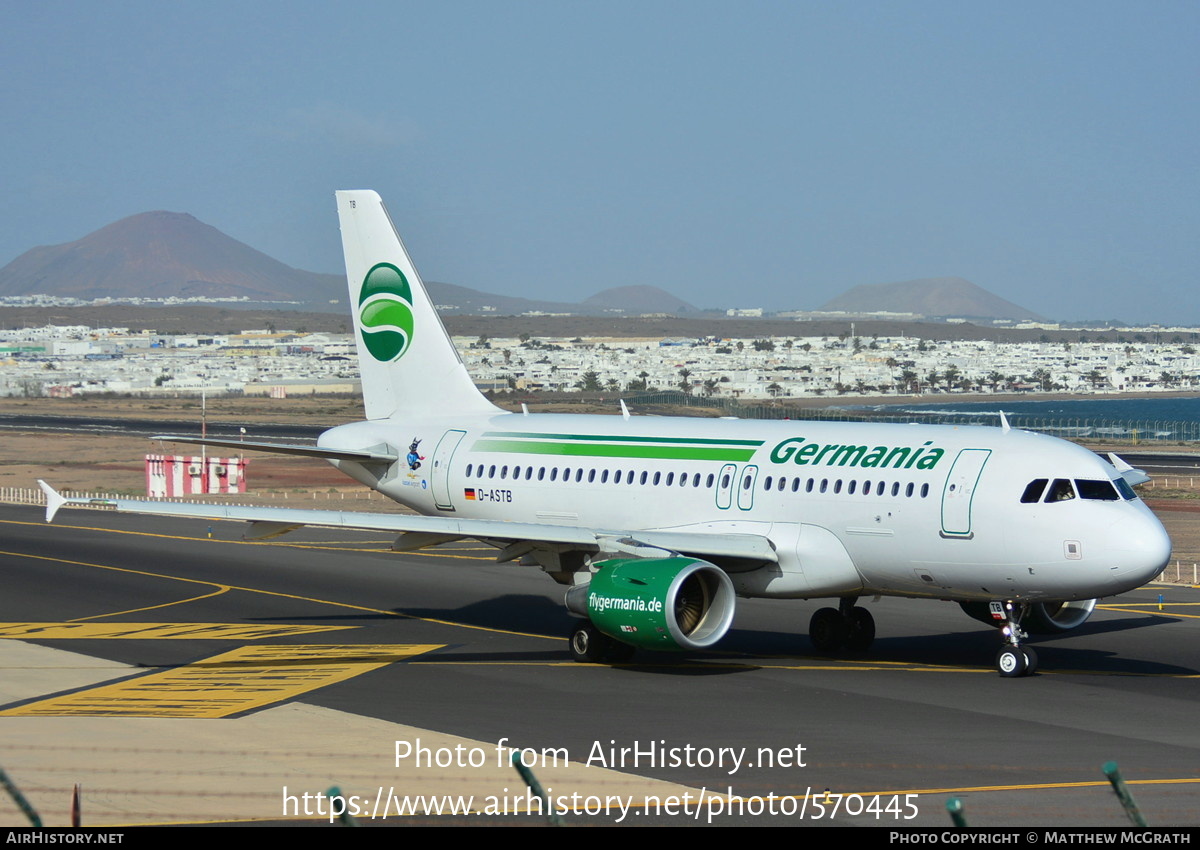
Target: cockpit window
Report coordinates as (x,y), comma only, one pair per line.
(1060,491)
(1101,489)
(1033,493)
(1124,489)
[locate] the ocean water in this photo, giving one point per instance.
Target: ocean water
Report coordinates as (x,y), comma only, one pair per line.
(1140,419)
(1124,409)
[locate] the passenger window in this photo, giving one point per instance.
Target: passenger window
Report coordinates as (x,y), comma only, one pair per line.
(837,486)
(657,477)
(468,470)
(782,483)
(709,481)
(924,490)
(1060,491)
(896,488)
(767,483)
(908,491)
(591,475)
(492,471)
(645,475)
(851,487)
(724,481)
(578,475)
(1033,491)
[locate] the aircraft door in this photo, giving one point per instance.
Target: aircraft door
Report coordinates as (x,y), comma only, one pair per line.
(440,472)
(745,487)
(726,481)
(959,491)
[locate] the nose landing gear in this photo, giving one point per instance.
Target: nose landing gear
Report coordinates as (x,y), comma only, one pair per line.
(1013,660)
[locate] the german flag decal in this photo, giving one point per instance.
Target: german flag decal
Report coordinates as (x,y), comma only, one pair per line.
(469,494)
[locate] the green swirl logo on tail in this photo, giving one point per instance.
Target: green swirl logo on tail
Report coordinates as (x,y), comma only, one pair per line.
(385,312)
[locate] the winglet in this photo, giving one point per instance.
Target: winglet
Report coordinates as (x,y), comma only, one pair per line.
(54,500)
(1004,426)
(1131,475)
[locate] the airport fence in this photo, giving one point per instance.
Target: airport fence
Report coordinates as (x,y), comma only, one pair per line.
(1125,431)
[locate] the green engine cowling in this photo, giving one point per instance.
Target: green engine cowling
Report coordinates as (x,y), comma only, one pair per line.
(657,603)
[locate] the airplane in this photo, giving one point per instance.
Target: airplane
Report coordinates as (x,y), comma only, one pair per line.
(657,524)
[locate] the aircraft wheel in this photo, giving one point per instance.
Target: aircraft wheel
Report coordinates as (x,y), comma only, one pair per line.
(1031,660)
(827,630)
(1010,662)
(862,629)
(589,645)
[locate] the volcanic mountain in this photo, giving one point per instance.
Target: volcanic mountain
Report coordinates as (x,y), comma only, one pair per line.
(930,296)
(165,254)
(161,255)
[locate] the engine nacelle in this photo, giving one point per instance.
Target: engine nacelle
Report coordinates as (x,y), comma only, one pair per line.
(657,603)
(1041,618)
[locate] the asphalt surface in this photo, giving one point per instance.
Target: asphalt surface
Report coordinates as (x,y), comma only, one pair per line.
(923,713)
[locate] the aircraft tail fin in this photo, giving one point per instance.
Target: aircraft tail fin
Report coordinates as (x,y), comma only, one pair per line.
(406,358)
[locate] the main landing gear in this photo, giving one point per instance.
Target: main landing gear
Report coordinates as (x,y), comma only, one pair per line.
(849,626)
(1013,660)
(589,645)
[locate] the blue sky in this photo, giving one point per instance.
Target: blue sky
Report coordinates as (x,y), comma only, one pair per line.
(749,154)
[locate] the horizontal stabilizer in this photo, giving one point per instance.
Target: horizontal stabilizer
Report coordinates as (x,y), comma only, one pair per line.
(286,449)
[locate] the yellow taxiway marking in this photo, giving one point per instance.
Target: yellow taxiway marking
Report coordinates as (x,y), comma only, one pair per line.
(347,605)
(1146,608)
(230,683)
(221,588)
(156,631)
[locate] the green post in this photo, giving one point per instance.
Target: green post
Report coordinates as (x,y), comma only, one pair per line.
(955,807)
(1122,790)
(19,799)
(345,818)
(536,787)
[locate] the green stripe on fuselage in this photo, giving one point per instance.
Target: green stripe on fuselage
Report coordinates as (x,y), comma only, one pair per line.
(598,450)
(603,438)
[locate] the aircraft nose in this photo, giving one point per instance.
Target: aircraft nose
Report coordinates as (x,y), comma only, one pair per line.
(1142,549)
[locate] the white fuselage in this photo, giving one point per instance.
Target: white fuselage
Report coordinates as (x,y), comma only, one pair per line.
(850,508)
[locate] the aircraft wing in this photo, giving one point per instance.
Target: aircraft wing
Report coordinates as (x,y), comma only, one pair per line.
(424,530)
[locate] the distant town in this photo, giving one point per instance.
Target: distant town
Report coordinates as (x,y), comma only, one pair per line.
(77,360)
